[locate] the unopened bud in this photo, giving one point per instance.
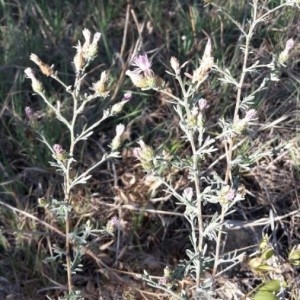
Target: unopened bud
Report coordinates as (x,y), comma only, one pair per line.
(202,103)
(127,96)
(188,193)
(116,142)
(146,155)
(175,65)
(28,112)
(36,84)
(79,59)
(93,48)
(87,37)
(59,153)
(100,87)
(289,44)
(45,69)
(111,225)
(250,114)
(284,55)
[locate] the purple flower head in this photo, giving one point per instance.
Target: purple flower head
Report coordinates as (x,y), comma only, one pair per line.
(250,114)
(142,64)
(127,96)
(289,44)
(28,112)
(114,220)
(162,281)
(58,149)
(194,111)
(202,104)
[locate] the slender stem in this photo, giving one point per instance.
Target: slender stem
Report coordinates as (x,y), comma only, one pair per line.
(68,252)
(57,111)
(191,137)
(60,81)
(218,241)
(68,181)
(230,142)
(245,70)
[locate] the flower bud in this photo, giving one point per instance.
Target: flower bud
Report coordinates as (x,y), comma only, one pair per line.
(111,225)
(242,124)
(188,193)
(250,114)
(93,48)
(42,202)
(37,86)
(202,103)
(116,142)
(87,37)
(45,69)
(140,80)
(79,59)
(146,155)
(28,112)
(201,73)
(59,153)
(284,55)
(175,65)
(100,87)
(289,44)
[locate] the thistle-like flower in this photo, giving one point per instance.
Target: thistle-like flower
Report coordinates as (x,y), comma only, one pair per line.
(242,124)
(88,51)
(87,37)
(93,49)
(100,87)
(145,154)
(284,55)
(79,58)
(142,64)
(142,76)
(201,73)
(140,80)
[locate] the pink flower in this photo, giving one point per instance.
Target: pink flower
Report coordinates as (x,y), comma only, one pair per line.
(289,44)
(58,149)
(250,114)
(127,96)
(202,104)
(28,112)
(142,64)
